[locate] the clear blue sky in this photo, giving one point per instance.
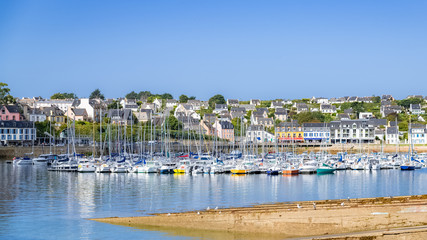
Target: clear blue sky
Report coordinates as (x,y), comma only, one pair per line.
(241,49)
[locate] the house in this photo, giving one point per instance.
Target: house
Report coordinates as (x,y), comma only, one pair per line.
(17,132)
(133,107)
(158,103)
(366,115)
(185,109)
(417,133)
(248,107)
(266,122)
(220,107)
(276,104)
(144,115)
(196,104)
(10,112)
(237,112)
(189,123)
(233,102)
(62,104)
(150,106)
(260,113)
(258,134)
(349,111)
(338,100)
(204,104)
(255,102)
(287,102)
(34,114)
(328,108)
(387,98)
(416,109)
(224,130)
(365,99)
(289,132)
(207,128)
(210,117)
(281,114)
(77,114)
(352,131)
(386,110)
(301,107)
(120,116)
(392,135)
(170,103)
(127,101)
(54,114)
(93,107)
(343,116)
(379,134)
(316,132)
(353,99)
(415,96)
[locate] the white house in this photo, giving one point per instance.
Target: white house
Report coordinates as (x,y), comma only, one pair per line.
(257,134)
(93,107)
(365,115)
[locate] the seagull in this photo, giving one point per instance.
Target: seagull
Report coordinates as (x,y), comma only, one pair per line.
(342,204)
(216,208)
(169,214)
(299,206)
(314,205)
(208,208)
(198,212)
(348,199)
(219,212)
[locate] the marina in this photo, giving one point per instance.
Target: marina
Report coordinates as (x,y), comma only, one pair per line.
(67,200)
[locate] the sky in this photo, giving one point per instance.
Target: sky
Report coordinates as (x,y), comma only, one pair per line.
(240,49)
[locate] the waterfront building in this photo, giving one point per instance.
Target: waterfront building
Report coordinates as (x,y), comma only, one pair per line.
(258,134)
(93,107)
(10,112)
(224,130)
(352,131)
(120,116)
(207,128)
(281,114)
(418,133)
(316,132)
(392,134)
(289,132)
(17,132)
(54,114)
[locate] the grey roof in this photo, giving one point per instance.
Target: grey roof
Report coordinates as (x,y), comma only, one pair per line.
(343,116)
(171,101)
(11,108)
(377,122)
(348,111)
(280,111)
(415,106)
(53,111)
(238,109)
(255,128)
(221,106)
(233,101)
(16,124)
(316,125)
(226,125)
(392,130)
(79,111)
(289,124)
(123,114)
(360,123)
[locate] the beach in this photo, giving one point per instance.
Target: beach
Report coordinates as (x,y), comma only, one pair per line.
(349,218)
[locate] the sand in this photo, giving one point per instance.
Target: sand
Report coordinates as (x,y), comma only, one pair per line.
(285,220)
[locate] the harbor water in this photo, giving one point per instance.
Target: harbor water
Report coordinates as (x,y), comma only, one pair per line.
(38,204)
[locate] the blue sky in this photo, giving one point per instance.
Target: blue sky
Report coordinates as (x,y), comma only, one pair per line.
(241,49)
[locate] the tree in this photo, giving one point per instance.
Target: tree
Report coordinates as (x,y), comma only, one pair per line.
(132,95)
(97,94)
(173,123)
(166,96)
(63,96)
(217,99)
(192,98)
(406,103)
(144,94)
(305,117)
(114,105)
(5,97)
(183,98)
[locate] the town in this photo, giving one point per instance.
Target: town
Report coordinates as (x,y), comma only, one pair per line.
(316,120)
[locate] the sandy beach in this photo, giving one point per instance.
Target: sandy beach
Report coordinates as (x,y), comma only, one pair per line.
(346,217)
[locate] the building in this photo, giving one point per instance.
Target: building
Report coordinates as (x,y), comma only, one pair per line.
(416,109)
(366,115)
(289,132)
(93,107)
(316,132)
(276,104)
(301,107)
(224,130)
(170,103)
(417,133)
(392,135)
(352,131)
(54,114)
(233,102)
(237,112)
(77,114)
(219,108)
(17,132)
(328,108)
(144,115)
(255,102)
(207,128)
(257,134)
(10,112)
(120,116)
(62,104)
(281,114)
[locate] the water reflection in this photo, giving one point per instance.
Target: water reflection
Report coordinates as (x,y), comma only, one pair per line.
(34,200)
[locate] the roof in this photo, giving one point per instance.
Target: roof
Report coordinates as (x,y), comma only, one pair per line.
(255,128)
(316,125)
(377,122)
(12,108)
(415,106)
(392,130)
(79,111)
(348,110)
(221,106)
(16,124)
(226,125)
(237,109)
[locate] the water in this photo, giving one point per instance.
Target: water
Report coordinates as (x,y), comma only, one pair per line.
(37,204)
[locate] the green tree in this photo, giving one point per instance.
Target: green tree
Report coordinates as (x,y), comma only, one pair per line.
(183,98)
(96,94)
(407,102)
(5,97)
(114,105)
(144,94)
(217,99)
(173,123)
(166,96)
(63,96)
(132,95)
(305,117)
(192,98)
(237,123)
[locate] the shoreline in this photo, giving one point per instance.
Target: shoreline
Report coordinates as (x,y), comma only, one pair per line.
(287,220)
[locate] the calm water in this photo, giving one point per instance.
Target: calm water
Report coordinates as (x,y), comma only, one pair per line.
(37,204)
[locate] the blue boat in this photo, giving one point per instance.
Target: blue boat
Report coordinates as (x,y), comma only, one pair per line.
(407,167)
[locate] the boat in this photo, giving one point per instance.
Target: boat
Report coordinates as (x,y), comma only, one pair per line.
(290,170)
(184,166)
(151,166)
(325,169)
(407,166)
(22,161)
(308,167)
(167,168)
(85,166)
